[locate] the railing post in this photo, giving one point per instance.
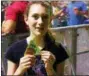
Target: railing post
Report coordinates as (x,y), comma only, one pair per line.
(74,50)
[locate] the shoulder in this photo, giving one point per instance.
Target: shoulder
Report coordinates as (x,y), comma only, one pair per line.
(17,45)
(20,6)
(58,46)
(59,51)
(81,2)
(17,6)
(16,51)
(10,13)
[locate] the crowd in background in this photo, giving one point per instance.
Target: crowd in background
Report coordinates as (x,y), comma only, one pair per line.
(64,13)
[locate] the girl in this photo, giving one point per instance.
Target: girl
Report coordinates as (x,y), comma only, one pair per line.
(50,61)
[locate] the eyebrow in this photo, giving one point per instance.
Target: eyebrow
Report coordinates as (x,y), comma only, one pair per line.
(40,15)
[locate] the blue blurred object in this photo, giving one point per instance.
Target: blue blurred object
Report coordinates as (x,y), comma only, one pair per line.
(86,21)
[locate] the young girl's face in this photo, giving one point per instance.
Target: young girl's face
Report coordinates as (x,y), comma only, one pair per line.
(38,19)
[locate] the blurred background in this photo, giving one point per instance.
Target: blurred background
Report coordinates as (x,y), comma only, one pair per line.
(74,37)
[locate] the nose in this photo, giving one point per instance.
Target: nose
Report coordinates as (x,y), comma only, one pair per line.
(40,20)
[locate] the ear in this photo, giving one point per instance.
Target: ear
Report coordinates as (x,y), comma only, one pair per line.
(26,19)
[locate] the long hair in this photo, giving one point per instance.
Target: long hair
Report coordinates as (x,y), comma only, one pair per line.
(49,38)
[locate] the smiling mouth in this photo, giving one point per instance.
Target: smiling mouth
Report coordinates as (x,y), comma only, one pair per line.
(40,28)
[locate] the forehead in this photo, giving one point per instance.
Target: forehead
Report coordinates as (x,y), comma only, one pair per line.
(38,8)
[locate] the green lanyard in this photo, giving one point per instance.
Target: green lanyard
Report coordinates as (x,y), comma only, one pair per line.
(32,45)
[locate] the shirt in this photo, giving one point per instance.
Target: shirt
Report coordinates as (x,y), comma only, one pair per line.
(15,12)
(16,51)
(72,18)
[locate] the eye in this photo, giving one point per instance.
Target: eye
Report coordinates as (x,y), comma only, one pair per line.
(35,16)
(45,17)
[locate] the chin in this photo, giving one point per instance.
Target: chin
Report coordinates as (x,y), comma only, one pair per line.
(39,34)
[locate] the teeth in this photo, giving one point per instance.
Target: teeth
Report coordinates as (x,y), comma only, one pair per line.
(40,28)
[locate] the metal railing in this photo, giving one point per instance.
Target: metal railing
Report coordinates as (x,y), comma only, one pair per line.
(70,27)
(73,47)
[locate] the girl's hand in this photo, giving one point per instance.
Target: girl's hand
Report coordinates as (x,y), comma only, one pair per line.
(26,62)
(48,58)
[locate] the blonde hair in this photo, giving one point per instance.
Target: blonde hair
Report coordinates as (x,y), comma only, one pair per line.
(46,4)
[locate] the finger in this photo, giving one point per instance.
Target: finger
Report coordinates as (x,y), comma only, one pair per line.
(48,56)
(29,56)
(47,53)
(53,57)
(30,64)
(28,60)
(44,51)
(44,59)
(27,65)
(48,59)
